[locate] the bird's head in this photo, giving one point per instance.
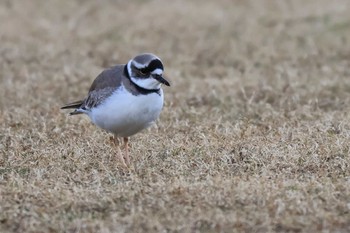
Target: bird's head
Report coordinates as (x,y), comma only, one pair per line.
(146,71)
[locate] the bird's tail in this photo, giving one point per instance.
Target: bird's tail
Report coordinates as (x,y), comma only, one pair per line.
(76,105)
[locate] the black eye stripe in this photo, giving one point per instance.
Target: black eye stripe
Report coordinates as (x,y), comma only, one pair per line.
(144,70)
(155,64)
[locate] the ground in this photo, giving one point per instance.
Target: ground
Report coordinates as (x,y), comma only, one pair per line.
(254,135)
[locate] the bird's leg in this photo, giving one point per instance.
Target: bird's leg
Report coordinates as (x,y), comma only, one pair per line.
(126,145)
(119,153)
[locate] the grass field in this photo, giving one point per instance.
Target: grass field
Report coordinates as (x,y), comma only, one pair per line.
(254,135)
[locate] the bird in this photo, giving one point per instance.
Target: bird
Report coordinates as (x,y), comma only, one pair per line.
(125,99)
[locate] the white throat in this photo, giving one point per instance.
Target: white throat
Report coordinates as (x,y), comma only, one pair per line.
(146,83)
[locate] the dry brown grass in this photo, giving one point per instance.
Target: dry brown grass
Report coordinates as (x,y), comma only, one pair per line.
(254,136)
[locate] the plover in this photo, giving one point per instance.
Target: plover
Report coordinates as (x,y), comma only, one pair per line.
(125,99)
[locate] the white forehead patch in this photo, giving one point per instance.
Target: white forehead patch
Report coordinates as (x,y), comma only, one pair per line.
(157,71)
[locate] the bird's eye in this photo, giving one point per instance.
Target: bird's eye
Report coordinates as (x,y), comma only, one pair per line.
(142,72)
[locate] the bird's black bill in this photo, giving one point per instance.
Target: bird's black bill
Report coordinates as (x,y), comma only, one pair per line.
(160,79)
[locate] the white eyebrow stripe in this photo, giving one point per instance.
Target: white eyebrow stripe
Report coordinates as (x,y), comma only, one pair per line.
(138,65)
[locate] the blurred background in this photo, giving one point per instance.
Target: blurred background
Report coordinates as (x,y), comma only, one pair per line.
(52,50)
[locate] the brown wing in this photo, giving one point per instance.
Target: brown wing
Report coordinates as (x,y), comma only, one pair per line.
(103,86)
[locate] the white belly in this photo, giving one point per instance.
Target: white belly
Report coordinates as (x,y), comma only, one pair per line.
(124,114)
